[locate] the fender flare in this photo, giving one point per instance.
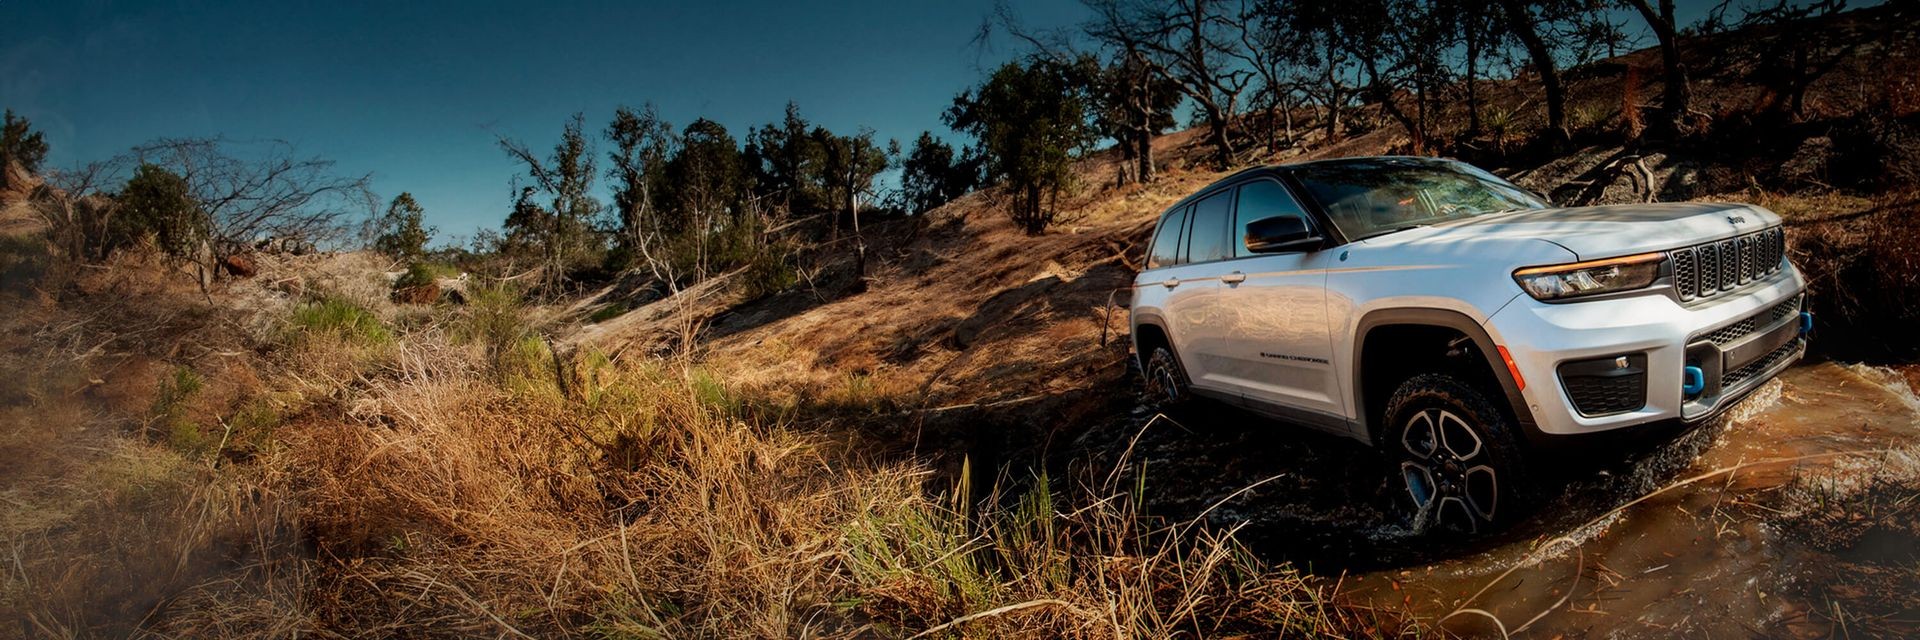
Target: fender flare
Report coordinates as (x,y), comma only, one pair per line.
(1138,320)
(1445,318)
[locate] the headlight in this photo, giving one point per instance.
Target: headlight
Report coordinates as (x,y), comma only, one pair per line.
(1590,278)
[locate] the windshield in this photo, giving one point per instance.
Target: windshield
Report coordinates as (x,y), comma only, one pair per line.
(1369,197)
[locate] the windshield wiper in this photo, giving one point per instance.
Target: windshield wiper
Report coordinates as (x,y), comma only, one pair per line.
(1389,231)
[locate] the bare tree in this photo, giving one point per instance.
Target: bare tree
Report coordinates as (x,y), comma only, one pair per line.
(1191,43)
(1674,94)
(1271,49)
(252,191)
(1521,21)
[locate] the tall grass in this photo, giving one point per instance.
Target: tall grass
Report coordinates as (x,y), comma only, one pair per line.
(640,500)
(461,485)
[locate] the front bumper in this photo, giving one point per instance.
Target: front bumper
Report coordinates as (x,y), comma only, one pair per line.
(1735,339)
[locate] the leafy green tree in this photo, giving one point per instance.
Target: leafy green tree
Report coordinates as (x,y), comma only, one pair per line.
(403,233)
(1032,121)
(642,142)
(562,229)
(707,220)
(706,178)
(160,203)
(932,174)
(851,163)
(19,143)
(786,163)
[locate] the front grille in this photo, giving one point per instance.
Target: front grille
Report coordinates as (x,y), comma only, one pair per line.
(1606,386)
(1733,378)
(1729,334)
(1704,270)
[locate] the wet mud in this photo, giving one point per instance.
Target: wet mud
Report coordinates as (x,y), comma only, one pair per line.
(1654,537)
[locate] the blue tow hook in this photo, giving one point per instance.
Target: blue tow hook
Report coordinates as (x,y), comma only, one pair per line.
(1806,322)
(1693,381)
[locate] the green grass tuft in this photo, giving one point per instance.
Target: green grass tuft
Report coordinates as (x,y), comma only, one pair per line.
(177,388)
(342,319)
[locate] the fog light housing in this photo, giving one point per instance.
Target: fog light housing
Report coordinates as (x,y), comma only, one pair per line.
(1606,386)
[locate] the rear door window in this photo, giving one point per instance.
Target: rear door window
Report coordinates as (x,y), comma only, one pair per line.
(1166,241)
(1208,239)
(1262,199)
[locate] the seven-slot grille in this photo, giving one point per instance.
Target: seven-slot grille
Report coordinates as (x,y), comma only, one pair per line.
(1704,270)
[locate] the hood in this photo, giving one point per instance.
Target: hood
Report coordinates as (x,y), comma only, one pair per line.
(1605,231)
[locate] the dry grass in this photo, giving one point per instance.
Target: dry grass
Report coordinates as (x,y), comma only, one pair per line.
(368,471)
(636,501)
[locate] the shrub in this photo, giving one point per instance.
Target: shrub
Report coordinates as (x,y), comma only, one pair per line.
(24,263)
(339,318)
(177,388)
(157,202)
(420,284)
(423,273)
(400,232)
(769,271)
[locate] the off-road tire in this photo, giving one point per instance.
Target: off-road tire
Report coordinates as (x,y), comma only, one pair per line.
(1448,440)
(1164,382)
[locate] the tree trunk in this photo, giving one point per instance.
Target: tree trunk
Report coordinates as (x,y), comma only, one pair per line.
(1520,20)
(1218,135)
(1417,137)
(1473,72)
(1288,112)
(1145,157)
(1674,94)
(1333,94)
(859,241)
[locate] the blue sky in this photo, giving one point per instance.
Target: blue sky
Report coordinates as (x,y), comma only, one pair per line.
(415,92)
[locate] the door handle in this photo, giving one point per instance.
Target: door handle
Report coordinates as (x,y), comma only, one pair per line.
(1170,283)
(1234,278)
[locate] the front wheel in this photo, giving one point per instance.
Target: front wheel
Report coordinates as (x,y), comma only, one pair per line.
(1455,456)
(1166,382)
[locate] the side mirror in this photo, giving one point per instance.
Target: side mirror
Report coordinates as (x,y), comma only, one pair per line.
(1280,234)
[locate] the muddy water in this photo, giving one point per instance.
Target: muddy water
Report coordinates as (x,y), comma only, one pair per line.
(1636,555)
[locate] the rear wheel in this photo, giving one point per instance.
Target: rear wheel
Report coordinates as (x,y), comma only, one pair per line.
(1454,455)
(1166,382)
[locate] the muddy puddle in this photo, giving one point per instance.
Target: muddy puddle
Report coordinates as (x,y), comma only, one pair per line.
(1646,539)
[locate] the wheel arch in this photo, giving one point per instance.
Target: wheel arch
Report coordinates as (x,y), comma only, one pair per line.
(1148,332)
(1373,376)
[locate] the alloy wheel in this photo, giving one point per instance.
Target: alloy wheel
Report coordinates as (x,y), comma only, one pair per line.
(1447,471)
(1163,379)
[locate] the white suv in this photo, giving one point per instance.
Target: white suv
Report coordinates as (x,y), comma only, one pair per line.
(1455,320)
